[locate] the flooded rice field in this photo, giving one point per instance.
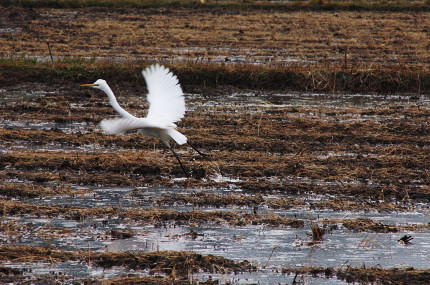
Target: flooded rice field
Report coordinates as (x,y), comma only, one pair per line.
(305,188)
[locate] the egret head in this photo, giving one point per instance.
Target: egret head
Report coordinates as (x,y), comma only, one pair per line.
(99,84)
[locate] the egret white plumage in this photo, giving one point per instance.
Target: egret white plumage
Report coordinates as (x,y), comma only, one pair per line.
(166,107)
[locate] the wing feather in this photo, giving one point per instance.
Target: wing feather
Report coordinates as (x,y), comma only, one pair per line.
(165,96)
(122,125)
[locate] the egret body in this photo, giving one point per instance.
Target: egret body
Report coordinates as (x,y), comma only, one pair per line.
(166,107)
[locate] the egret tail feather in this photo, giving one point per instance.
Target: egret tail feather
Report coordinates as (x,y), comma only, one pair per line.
(177,136)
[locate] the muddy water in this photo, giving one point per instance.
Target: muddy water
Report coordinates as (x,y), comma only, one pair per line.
(290,246)
(269,248)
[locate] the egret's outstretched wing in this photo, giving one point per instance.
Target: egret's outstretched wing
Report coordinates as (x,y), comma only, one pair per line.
(122,125)
(165,96)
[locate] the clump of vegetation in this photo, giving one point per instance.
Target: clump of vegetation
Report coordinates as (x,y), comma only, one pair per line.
(177,264)
(364,224)
(317,232)
(159,216)
(295,78)
(24,191)
(366,275)
(384,276)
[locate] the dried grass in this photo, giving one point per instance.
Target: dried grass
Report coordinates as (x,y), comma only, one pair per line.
(377,60)
(180,263)
(154,216)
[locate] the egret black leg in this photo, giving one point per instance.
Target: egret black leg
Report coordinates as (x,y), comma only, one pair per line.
(180,163)
(201,153)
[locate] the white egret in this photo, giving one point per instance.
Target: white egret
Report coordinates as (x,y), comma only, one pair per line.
(166,106)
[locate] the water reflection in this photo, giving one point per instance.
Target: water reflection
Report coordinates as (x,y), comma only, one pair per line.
(291,247)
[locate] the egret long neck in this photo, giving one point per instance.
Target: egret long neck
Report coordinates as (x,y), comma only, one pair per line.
(114,103)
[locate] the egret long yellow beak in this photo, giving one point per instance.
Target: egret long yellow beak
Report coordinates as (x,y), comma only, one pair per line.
(89,85)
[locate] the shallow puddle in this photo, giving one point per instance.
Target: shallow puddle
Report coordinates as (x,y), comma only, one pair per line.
(263,245)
